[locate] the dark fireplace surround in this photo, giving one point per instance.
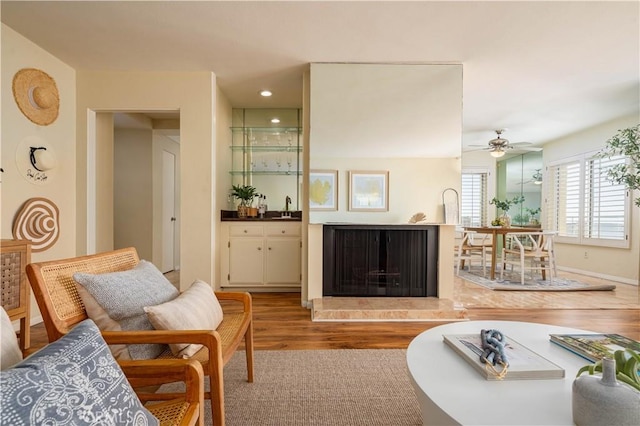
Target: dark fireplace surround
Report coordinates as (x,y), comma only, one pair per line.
(380,260)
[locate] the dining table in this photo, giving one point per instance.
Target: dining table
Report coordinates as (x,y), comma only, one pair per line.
(495,231)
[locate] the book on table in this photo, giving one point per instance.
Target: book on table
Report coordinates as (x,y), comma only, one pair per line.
(523,363)
(595,346)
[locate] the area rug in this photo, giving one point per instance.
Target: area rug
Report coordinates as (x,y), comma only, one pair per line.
(512,282)
(319,387)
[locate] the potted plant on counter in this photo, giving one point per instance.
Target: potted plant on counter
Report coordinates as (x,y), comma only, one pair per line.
(246,194)
(504,220)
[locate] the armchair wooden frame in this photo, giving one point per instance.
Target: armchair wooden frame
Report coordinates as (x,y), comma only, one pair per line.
(61,307)
(187,410)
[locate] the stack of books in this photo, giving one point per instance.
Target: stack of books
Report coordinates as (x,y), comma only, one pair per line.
(594,347)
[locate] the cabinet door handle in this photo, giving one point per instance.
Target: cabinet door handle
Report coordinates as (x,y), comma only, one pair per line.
(269,248)
(245,231)
(283,231)
(259,248)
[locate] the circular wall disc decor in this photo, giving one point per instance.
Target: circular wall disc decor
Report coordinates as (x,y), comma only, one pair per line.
(36,160)
(36,94)
(38,222)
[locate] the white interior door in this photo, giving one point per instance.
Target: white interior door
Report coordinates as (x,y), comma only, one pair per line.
(169,219)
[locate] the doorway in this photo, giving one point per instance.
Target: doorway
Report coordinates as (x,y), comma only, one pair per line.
(145,195)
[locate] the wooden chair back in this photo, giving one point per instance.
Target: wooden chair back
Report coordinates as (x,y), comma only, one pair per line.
(55,290)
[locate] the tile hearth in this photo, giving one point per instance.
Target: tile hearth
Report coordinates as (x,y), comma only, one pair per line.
(386,309)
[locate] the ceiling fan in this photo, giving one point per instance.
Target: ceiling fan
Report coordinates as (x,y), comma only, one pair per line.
(536,178)
(499,146)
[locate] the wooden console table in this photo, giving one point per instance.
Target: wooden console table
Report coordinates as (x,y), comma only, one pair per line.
(15,295)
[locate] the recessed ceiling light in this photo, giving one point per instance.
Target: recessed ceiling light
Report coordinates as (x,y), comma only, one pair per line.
(275,120)
(265,93)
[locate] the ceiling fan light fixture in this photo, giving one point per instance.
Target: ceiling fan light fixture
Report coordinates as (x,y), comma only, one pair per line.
(537,178)
(496,153)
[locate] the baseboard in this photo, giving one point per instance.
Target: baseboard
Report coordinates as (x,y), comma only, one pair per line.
(597,275)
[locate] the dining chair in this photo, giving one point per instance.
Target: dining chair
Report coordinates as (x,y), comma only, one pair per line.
(469,247)
(530,251)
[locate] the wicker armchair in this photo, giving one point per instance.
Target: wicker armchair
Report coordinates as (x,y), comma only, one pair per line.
(187,410)
(62,308)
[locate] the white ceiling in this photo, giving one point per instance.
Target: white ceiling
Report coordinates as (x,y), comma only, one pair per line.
(541,69)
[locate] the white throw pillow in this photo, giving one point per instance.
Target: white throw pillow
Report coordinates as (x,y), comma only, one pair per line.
(11,353)
(197,308)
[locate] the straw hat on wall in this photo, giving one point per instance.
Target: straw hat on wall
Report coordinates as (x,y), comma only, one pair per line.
(37,95)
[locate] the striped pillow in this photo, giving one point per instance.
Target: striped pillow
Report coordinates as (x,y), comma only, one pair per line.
(197,308)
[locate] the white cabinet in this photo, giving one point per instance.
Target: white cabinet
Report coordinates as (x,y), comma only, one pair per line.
(260,255)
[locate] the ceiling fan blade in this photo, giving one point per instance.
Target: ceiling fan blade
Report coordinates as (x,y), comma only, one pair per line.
(476,148)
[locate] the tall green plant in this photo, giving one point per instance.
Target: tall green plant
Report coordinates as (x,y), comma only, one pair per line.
(625,143)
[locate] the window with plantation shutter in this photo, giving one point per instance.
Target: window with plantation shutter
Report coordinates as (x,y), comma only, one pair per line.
(584,206)
(473,199)
(605,202)
(563,212)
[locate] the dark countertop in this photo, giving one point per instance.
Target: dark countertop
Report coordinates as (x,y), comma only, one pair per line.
(270,215)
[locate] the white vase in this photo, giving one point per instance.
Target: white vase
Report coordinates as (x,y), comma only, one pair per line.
(602,400)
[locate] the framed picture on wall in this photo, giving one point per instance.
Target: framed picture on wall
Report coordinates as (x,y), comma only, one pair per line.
(369,191)
(323,190)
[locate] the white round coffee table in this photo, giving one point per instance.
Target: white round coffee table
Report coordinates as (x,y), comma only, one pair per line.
(452,392)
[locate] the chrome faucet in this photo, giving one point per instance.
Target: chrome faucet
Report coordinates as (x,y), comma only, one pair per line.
(287,201)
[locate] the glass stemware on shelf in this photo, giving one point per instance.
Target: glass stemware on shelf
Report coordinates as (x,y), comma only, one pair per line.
(289,163)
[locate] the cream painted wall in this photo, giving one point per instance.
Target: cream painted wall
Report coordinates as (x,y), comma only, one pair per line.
(193,93)
(133,190)
(387,110)
(415,185)
(611,263)
(16,53)
(104,175)
(362,117)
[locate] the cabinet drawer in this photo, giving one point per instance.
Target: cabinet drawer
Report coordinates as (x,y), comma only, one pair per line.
(245,230)
(283,230)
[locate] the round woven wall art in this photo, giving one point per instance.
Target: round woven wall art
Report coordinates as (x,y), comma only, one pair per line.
(38,222)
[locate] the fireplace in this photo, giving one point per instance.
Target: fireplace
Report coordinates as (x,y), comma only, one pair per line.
(380,260)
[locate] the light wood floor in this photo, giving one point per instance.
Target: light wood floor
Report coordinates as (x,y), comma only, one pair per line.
(280,322)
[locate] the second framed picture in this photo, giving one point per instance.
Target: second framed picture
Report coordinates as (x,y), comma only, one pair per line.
(369,191)
(323,190)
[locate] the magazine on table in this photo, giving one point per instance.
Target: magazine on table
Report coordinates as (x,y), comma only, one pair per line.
(523,363)
(595,346)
